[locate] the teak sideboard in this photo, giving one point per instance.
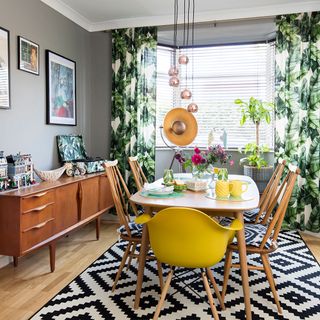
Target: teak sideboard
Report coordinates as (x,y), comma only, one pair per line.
(37,216)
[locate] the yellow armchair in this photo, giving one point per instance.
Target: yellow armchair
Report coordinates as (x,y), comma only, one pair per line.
(185,237)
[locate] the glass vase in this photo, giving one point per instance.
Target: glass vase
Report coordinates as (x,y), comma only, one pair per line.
(198,173)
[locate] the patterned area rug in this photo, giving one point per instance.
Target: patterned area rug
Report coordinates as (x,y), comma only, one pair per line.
(89,296)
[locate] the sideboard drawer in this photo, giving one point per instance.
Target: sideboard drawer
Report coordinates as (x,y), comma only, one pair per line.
(37,233)
(37,215)
(36,200)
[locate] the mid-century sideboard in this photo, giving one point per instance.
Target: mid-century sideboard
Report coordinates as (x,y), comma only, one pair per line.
(39,215)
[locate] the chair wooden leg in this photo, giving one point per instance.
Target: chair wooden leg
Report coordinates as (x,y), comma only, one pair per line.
(209,294)
(227,267)
(122,264)
(160,274)
(268,271)
(163,295)
(216,289)
(131,252)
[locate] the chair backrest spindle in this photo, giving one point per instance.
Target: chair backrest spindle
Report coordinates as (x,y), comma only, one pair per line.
(119,192)
(285,192)
(138,174)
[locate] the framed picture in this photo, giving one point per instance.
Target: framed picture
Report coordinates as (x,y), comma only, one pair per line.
(28,56)
(61,89)
(4,69)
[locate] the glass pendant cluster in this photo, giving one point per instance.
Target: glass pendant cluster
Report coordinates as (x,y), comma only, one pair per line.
(183,59)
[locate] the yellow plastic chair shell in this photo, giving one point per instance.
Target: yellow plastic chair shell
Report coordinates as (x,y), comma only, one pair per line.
(185,237)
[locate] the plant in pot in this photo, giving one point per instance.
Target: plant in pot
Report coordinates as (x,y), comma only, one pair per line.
(255,166)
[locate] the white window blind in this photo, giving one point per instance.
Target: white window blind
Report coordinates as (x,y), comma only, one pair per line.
(221,74)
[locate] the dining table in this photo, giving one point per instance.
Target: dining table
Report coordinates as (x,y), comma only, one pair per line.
(207,202)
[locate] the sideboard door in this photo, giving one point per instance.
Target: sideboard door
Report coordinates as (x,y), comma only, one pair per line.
(88,197)
(66,205)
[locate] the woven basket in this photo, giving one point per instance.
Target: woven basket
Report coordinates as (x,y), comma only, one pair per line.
(51,175)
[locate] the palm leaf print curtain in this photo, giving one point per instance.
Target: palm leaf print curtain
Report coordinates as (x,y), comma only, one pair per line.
(297,112)
(133,115)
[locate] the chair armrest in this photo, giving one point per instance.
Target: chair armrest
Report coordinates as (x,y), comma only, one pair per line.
(236,225)
(143,218)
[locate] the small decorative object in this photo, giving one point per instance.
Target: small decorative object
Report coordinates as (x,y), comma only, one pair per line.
(168,177)
(197,185)
(82,168)
(4,180)
(179,185)
(4,69)
(69,169)
(236,188)
(255,166)
(223,174)
(51,175)
(223,138)
(28,56)
(61,89)
(222,189)
(20,170)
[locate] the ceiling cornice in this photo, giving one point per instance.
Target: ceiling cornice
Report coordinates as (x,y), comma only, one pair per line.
(219,15)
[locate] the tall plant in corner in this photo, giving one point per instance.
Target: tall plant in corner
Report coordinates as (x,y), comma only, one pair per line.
(256,111)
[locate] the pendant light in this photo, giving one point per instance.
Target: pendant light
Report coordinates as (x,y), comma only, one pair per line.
(183,59)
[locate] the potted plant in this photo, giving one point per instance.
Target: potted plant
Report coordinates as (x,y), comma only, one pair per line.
(255,166)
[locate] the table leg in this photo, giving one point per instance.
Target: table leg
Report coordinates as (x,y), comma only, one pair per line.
(244,267)
(142,261)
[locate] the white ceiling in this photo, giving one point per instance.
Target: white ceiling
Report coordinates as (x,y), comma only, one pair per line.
(98,15)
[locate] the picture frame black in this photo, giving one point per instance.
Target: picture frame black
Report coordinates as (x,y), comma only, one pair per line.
(60,90)
(5,96)
(28,56)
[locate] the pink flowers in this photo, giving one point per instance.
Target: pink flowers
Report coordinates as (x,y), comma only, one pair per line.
(197,158)
(205,159)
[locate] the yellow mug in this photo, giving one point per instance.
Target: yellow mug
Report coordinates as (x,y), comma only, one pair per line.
(236,187)
(222,189)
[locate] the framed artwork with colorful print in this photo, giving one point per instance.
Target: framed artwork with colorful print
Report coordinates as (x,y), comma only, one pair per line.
(28,56)
(61,90)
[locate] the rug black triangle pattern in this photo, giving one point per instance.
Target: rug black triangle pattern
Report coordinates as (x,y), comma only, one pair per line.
(89,296)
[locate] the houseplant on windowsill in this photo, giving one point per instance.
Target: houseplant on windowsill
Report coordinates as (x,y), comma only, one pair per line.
(255,166)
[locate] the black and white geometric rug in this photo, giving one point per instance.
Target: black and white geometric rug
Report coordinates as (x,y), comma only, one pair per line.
(89,296)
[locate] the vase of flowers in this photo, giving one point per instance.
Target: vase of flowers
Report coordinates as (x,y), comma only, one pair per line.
(202,161)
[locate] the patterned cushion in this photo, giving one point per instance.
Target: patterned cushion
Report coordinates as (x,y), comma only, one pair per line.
(136,229)
(254,233)
(250,215)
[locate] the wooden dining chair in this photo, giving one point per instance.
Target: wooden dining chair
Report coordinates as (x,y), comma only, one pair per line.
(129,230)
(257,215)
(138,174)
(262,239)
(185,237)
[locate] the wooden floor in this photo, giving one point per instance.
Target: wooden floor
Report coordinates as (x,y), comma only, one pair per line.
(25,289)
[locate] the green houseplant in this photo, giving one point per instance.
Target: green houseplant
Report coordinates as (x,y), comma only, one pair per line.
(254,164)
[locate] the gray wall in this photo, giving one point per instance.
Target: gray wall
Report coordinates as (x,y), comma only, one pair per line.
(23,127)
(164,157)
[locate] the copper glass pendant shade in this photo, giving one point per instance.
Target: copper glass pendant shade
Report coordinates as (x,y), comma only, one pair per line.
(179,67)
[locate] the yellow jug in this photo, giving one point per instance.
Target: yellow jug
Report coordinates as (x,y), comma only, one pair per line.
(222,189)
(236,188)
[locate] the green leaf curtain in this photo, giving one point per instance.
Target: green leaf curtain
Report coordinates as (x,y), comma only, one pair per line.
(133,115)
(297,112)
